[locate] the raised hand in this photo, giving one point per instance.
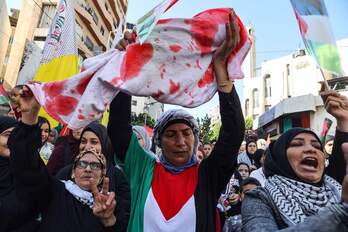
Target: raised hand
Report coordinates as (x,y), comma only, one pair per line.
(27,104)
(336,105)
(345,180)
(223,52)
(104,203)
(128,38)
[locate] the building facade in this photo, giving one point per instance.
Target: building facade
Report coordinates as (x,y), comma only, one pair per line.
(214,115)
(96,21)
(285,94)
(5,35)
(147,105)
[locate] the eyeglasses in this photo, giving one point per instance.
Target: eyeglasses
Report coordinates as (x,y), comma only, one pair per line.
(92,165)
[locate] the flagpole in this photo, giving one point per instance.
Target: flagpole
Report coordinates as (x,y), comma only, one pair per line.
(327,86)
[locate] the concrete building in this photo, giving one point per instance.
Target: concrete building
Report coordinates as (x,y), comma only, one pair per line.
(214,115)
(285,94)
(96,21)
(5,34)
(147,105)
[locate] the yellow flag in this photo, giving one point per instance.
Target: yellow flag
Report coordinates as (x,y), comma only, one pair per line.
(59,59)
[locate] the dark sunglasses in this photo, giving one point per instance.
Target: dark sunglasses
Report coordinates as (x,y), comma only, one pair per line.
(92,165)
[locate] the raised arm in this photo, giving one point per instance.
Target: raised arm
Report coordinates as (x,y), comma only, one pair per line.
(32,181)
(119,127)
(337,105)
(223,159)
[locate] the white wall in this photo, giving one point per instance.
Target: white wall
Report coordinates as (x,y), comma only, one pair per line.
(302,78)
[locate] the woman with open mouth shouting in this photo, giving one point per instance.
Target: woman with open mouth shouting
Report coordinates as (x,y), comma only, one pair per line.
(300,194)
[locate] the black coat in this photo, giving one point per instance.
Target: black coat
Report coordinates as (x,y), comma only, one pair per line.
(118,184)
(59,209)
(14,215)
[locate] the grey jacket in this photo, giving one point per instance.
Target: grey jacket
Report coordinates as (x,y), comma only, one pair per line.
(259,213)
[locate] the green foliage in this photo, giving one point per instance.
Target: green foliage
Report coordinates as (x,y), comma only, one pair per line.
(248,123)
(139,120)
(215,132)
(204,129)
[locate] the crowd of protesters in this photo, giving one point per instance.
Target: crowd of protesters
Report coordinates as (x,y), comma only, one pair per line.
(119,179)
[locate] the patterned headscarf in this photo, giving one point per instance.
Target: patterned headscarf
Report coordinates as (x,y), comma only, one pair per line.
(141,131)
(295,198)
(166,119)
(100,157)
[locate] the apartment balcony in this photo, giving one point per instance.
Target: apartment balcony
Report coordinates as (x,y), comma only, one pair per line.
(41,32)
(124,4)
(104,14)
(115,9)
(82,46)
(92,27)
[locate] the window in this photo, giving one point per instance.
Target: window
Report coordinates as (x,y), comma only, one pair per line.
(288,69)
(268,88)
(267,107)
(134,103)
(114,23)
(102,30)
(89,43)
(79,31)
(255,98)
(6,60)
(10,41)
(247,107)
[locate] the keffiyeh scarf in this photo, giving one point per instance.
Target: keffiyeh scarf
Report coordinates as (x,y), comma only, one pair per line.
(296,200)
(81,195)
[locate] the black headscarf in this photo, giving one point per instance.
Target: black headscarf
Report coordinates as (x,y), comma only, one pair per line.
(251,156)
(276,161)
(257,157)
(102,134)
(237,175)
(6,181)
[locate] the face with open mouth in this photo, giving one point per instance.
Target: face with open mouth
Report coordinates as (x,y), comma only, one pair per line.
(306,157)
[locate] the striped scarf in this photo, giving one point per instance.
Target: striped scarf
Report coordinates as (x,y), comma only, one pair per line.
(297,200)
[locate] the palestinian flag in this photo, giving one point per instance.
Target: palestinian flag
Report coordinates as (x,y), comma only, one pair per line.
(317,35)
(3,96)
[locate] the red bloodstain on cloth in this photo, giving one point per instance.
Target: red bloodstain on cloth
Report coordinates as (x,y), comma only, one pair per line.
(82,85)
(54,89)
(175,48)
(208,77)
(203,33)
(62,105)
(173,87)
(81,117)
(136,57)
(164,21)
(115,81)
(158,94)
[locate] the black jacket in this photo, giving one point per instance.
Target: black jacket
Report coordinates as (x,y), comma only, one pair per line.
(59,209)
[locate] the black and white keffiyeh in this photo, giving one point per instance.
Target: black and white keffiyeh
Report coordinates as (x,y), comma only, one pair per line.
(81,195)
(297,200)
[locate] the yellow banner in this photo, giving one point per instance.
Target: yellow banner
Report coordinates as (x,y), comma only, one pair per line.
(57,69)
